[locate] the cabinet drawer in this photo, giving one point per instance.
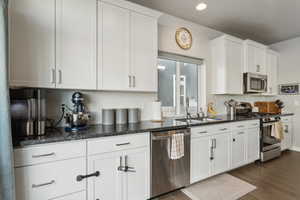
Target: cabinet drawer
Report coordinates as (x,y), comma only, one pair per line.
(48,153)
(220,128)
(253,124)
(118,143)
(201,131)
(50,180)
(239,125)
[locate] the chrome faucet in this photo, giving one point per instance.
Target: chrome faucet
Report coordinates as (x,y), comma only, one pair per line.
(187,107)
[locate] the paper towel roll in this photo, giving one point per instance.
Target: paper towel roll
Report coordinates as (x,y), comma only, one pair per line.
(152,111)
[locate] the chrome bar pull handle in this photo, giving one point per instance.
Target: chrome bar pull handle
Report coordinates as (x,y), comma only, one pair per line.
(133,81)
(53,76)
(43,184)
(43,155)
(59,77)
(129,78)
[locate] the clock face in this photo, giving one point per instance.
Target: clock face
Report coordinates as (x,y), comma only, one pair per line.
(184,38)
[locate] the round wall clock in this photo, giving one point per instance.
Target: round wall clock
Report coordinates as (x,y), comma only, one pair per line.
(184,38)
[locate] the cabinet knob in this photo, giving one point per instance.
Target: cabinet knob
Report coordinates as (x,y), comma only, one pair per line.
(233,139)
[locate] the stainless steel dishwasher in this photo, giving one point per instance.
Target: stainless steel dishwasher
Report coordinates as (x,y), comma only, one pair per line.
(169,174)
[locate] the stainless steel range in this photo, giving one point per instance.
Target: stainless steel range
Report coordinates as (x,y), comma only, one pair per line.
(270,147)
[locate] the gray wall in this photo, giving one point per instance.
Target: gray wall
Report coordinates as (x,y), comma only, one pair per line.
(289,72)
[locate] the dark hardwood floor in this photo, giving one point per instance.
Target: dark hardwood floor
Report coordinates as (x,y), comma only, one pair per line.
(278,179)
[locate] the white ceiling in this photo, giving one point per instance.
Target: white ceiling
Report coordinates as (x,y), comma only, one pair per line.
(266,21)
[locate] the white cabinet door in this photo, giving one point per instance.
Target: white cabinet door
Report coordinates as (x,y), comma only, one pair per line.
(286,143)
(238,148)
(253,144)
(137,179)
(76,44)
(234,63)
(143,52)
(260,60)
(272,72)
(32,43)
(113,47)
(108,185)
(200,158)
(250,59)
(221,153)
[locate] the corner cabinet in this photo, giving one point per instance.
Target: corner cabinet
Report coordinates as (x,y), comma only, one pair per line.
(127,47)
(227,62)
(255,57)
(52,43)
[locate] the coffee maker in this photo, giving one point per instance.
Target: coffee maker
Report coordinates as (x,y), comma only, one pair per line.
(28,112)
(78,117)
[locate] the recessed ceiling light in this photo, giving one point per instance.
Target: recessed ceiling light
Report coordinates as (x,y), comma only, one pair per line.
(201,6)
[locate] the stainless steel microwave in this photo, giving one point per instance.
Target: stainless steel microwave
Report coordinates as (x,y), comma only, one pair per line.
(255,83)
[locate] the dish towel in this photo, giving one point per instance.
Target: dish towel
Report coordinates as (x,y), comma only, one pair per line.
(277,131)
(176,150)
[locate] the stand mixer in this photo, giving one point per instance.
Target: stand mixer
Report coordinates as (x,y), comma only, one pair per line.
(77,118)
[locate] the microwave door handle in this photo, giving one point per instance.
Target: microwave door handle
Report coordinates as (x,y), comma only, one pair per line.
(29,109)
(266,85)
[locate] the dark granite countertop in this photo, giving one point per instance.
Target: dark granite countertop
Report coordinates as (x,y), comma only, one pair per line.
(97,131)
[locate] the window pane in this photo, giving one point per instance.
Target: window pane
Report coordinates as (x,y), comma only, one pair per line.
(189,86)
(166,76)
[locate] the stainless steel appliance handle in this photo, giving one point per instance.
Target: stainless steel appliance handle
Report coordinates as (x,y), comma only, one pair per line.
(268,124)
(168,136)
(43,155)
(43,184)
(265,85)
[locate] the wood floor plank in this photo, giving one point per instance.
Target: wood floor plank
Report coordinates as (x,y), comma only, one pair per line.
(278,179)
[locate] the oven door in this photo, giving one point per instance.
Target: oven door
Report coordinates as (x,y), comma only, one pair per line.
(268,141)
(255,83)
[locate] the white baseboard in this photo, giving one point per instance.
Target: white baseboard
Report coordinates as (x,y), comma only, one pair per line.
(294,148)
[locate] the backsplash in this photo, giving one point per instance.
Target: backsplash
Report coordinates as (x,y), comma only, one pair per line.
(96,101)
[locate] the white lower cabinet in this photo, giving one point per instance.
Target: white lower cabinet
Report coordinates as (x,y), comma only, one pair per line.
(238,148)
(200,158)
(215,150)
(287,141)
(114,181)
(253,147)
(221,153)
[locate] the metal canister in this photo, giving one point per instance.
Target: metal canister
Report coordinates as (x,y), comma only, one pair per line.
(133,115)
(121,116)
(108,116)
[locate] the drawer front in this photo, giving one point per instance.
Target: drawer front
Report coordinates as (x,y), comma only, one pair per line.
(220,128)
(118,143)
(253,124)
(48,153)
(239,125)
(50,180)
(201,131)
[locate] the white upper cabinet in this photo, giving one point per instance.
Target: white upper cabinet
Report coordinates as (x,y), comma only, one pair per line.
(76,44)
(113,47)
(53,43)
(255,57)
(227,65)
(144,52)
(32,43)
(272,71)
(127,47)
